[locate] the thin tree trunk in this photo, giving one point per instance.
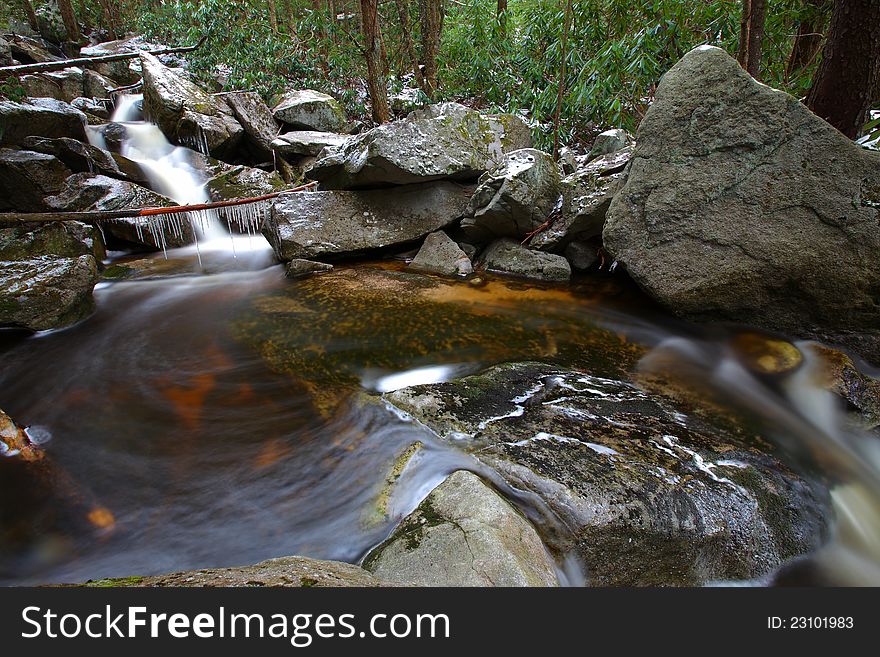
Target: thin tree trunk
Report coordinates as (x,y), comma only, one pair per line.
(751,36)
(848,80)
(373,55)
(562,71)
(273,15)
(70,23)
(108,16)
(808,40)
(331,7)
(31,15)
(408,44)
(501,16)
(742,55)
(431,16)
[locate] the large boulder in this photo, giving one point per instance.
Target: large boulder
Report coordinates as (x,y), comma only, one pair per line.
(646,491)
(43,117)
(62,85)
(310,110)
(742,205)
(27,178)
(47,273)
(440,255)
(76,156)
(445,141)
(239,181)
(186,114)
(463,534)
(315,224)
(509,257)
(83,191)
(515,198)
(255,117)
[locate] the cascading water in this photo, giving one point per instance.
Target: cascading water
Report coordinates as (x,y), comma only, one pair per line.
(171,172)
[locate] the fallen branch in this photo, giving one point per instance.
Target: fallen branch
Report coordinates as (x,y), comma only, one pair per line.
(93,216)
(48,67)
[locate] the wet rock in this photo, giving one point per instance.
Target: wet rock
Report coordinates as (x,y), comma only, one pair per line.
(44,117)
(256,118)
(609,141)
(242,182)
(84,191)
(14,442)
(76,156)
(582,255)
(652,495)
(186,114)
(91,106)
(306,142)
(61,85)
(445,141)
(284,571)
(300,267)
(509,257)
(113,134)
(859,390)
(27,178)
(515,198)
(738,198)
(463,534)
(69,239)
(310,110)
(96,85)
(440,255)
(46,292)
(586,197)
(314,224)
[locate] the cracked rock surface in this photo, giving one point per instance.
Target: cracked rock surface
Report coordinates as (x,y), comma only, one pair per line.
(463,534)
(740,204)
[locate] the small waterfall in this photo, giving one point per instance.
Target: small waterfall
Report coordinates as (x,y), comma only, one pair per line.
(171,172)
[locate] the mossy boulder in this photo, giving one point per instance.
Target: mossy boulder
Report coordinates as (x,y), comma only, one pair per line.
(307,109)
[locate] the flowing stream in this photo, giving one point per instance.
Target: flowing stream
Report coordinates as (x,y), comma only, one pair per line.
(179,441)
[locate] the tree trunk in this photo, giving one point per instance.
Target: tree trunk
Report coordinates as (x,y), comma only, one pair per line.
(31,15)
(373,55)
(848,80)
(501,16)
(107,10)
(560,92)
(408,44)
(70,23)
(431,16)
(751,36)
(808,39)
(273,15)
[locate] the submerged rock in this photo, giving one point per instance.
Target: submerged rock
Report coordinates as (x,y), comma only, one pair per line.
(284,571)
(186,114)
(445,141)
(43,117)
(314,224)
(310,110)
(514,198)
(742,205)
(440,255)
(463,534)
(507,256)
(300,267)
(652,496)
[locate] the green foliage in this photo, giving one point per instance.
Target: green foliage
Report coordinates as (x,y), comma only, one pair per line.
(11,89)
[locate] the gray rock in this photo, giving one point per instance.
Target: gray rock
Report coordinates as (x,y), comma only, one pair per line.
(44,117)
(46,292)
(306,142)
(470,250)
(651,494)
(300,267)
(69,239)
(96,85)
(76,156)
(586,197)
(27,178)
(582,255)
(313,224)
(408,100)
(5,53)
(84,191)
(126,71)
(440,255)
(256,118)
(742,205)
(310,110)
(61,85)
(463,534)
(515,198)
(507,256)
(284,571)
(32,49)
(239,181)
(186,114)
(445,141)
(91,106)
(608,142)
